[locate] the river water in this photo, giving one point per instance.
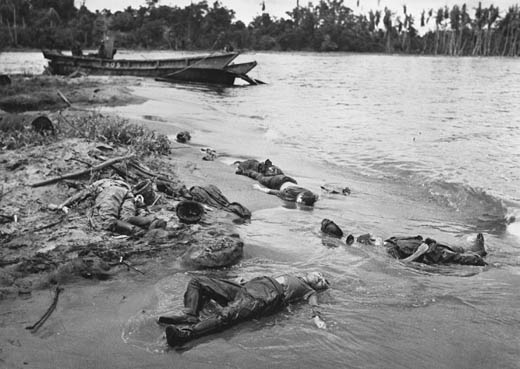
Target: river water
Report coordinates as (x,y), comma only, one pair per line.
(427,145)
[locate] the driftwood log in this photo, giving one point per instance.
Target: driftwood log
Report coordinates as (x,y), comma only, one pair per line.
(95,168)
(33,328)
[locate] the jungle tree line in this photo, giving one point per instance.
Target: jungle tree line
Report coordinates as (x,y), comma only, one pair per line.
(330,25)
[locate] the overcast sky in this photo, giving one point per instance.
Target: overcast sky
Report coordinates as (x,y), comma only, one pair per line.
(246,10)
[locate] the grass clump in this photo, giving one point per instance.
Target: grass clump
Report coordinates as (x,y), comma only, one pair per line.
(18,133)
(30,93)
(118,131)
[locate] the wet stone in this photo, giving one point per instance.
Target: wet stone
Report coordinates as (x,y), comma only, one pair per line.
(212,251)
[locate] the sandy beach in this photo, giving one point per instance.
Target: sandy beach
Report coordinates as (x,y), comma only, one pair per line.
(86,328)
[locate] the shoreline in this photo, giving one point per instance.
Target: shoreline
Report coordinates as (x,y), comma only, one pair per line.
(111,303)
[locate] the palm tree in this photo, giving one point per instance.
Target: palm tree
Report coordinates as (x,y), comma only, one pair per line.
(387,21)
(492,17)
(508,28)
(480,20)
(464,21)
(438,21)
(455,21)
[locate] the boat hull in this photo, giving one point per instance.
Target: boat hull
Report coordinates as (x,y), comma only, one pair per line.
(241,68)
(200,75)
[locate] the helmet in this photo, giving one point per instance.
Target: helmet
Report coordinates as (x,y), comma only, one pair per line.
(189,211)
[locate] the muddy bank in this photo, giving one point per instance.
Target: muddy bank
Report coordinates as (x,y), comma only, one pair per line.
(107,275)
(44,243)
(36,93)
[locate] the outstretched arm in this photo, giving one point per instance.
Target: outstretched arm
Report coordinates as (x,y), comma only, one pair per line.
(251,174)
(258,187)
(316,315)
(421,250)
(81,195)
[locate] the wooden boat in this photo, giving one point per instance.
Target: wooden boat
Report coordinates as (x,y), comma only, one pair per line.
(66,64)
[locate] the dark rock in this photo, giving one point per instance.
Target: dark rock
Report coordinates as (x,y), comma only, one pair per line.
(214,252)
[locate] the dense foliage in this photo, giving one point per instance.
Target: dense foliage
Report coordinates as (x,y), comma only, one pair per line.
(329,25)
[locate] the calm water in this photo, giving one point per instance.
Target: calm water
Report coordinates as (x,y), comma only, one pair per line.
(428,146)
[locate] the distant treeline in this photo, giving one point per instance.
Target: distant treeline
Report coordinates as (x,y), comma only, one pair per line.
(327,26)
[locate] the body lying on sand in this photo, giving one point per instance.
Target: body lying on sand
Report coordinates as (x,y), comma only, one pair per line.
(117,206)
(416,248)
(239,302)
(265,295)
(274,182)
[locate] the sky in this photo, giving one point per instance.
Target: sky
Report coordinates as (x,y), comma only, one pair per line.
(246,10)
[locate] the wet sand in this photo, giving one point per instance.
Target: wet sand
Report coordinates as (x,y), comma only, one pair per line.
(85,330)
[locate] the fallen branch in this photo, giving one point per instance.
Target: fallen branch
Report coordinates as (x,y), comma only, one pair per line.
(83,172)
(146,172)
(81,161)
(50,225)
(2,193)
(65,100)
(124,173)
(10,218)
(121,261)
(33,328)
(156,199)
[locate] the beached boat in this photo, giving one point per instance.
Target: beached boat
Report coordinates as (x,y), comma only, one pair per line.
(66,64)
(211,68)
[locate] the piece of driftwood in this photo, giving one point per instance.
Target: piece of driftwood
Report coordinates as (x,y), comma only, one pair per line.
(80,161)
(95,168)
(132,267)
(129,266)
(33,328)
(8,218)
(50,225)
(139,168)
(65,100)
(124,173)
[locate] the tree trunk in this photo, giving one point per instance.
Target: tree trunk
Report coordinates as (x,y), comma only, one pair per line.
(14,27)
(514,46)
(10,31)
(504,49)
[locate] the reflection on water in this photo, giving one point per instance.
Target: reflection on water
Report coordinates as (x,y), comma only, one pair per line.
(428,145)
